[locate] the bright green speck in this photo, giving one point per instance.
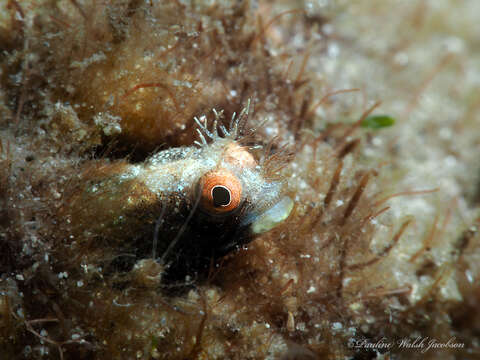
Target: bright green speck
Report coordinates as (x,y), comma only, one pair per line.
(154,342)
(378,121)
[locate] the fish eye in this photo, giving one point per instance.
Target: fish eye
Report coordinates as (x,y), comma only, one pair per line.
(221,192)
(221,196)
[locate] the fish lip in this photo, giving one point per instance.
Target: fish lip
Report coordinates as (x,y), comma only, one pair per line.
(272,217)
(256,224)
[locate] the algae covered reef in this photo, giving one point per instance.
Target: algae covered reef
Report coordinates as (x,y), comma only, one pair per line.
(349,228)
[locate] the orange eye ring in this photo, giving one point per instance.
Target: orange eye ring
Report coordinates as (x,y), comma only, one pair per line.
(221,191)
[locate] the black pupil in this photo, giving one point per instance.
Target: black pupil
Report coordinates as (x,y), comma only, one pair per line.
(221,196)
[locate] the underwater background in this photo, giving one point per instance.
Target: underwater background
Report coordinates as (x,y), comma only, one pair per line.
(366,113)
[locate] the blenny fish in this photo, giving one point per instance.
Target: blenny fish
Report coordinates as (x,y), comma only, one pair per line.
(183,206)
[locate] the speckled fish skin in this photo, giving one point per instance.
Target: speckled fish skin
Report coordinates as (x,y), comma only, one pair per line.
(126,203)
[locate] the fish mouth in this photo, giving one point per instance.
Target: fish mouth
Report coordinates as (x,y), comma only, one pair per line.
(272,217)
(258,224)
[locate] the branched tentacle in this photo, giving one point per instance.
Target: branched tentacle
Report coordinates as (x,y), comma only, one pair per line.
(234,129)
(202,138)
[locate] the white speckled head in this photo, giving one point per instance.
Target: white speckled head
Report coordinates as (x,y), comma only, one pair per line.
(220,168)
